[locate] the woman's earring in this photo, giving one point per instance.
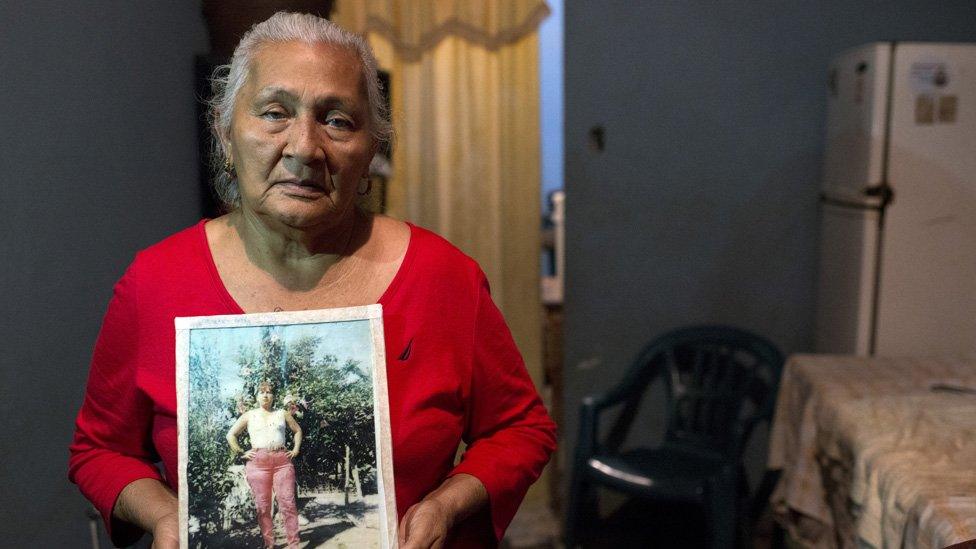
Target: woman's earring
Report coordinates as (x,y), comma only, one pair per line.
(229,168)
(363,190)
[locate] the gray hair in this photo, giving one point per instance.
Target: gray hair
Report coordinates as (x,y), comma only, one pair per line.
(228,80)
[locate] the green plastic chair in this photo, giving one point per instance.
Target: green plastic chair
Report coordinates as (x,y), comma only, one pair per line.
(720,383)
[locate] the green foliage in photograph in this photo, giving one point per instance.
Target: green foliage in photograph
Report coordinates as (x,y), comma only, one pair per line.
(332,401)
(209,458)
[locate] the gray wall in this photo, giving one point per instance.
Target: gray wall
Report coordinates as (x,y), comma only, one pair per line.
(703,207)
(99,159)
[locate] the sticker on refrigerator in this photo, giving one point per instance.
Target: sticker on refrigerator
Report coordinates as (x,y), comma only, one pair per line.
(924,110)
(948,105)
(928,76)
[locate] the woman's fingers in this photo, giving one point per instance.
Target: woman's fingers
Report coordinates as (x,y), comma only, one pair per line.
(402,530)
(166,532)
(424,526)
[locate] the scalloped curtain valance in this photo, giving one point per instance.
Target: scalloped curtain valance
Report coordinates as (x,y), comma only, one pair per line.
(413,27)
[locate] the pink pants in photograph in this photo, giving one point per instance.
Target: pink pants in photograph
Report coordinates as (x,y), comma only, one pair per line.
(273,471)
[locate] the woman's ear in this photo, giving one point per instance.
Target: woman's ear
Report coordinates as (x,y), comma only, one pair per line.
(374,149)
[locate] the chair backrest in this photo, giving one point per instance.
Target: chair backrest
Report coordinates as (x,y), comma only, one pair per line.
(720,382)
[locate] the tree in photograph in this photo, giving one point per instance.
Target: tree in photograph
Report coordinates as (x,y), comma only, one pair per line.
(208,421)
(264,362)
(332,401)
(337,416)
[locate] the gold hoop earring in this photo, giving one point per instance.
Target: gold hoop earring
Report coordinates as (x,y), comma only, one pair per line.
(369,186)
(229,168)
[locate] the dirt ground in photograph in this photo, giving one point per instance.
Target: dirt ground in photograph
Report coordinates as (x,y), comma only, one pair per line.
(333,524)
(330,523)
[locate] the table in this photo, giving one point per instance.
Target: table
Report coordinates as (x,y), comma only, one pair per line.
(871,455)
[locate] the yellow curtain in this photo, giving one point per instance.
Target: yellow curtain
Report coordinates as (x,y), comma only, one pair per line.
(464,85)
(465,105)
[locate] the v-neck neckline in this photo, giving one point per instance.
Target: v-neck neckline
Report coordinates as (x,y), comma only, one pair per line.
(236,308)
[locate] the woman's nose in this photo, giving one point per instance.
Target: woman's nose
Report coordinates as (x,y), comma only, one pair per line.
(304,141)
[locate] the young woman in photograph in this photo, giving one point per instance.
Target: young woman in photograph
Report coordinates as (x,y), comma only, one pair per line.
(269,467)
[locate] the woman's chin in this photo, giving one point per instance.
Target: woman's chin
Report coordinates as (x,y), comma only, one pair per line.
(299,213)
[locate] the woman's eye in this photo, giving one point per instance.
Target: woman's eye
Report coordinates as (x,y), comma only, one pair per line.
(337,122)
(274,115)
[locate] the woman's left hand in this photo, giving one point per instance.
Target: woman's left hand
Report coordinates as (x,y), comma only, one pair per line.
(293,453)
(427,523)
(424,526)
(166,532)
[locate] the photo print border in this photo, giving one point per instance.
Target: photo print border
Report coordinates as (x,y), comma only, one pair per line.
(373,314)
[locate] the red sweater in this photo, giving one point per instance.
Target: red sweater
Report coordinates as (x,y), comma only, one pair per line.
(454,374)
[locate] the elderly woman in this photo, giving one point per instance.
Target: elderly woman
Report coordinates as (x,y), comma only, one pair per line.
(298,117)
(269,467)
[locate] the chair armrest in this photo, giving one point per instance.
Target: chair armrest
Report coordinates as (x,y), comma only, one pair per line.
(626,391)
(591,409)
(589,423)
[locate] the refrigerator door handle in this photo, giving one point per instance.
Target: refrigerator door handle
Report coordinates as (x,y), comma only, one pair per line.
(847,203)
(883,191)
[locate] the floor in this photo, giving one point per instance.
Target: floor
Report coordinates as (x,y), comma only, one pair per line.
(634,524)
(644,524)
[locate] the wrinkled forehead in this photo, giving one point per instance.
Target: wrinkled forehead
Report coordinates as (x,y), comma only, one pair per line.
(296,63)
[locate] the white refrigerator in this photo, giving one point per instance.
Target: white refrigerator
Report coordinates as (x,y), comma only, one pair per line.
(898,203)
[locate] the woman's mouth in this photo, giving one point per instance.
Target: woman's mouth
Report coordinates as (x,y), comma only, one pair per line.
(302,188)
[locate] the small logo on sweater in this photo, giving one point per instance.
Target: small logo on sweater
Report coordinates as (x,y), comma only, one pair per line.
(406,352)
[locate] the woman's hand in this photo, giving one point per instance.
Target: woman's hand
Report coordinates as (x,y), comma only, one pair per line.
(249,455)
(297,431)
(150,505)
(425,525)
(166,532)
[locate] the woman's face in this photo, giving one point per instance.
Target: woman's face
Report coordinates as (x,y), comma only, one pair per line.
(300,136)
(265,396)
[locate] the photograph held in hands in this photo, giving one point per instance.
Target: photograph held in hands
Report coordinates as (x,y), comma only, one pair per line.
(284,437)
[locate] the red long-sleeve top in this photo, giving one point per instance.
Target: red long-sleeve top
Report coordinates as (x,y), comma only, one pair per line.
(453,371)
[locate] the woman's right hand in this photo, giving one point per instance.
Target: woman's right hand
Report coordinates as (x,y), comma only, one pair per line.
(153,507)
(166,532)
(249,455)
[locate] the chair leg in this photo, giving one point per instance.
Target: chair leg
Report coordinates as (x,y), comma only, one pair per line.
(721,508)
(744,524)
(581,510)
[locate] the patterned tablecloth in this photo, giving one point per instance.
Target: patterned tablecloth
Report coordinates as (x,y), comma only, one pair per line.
(872,455)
